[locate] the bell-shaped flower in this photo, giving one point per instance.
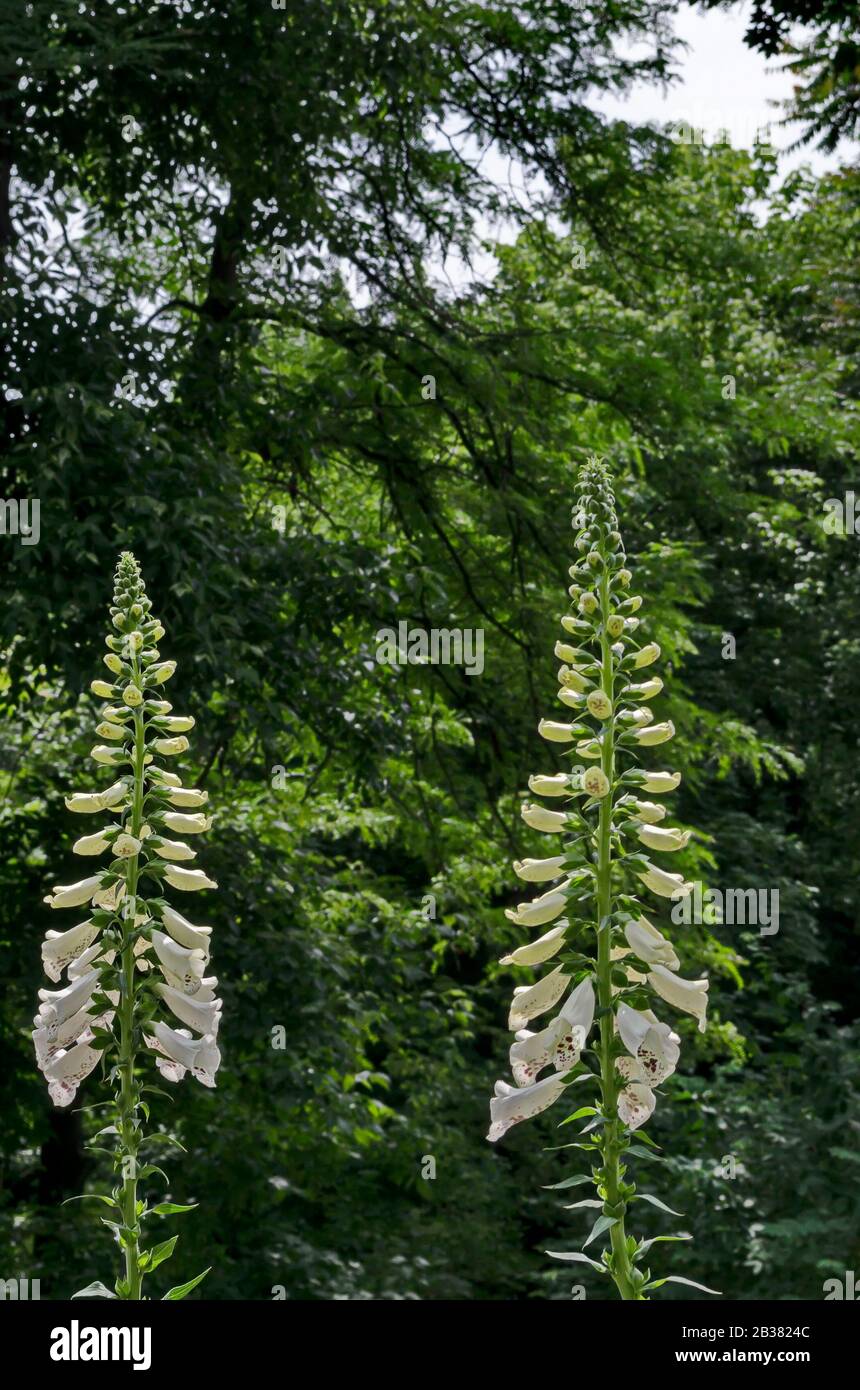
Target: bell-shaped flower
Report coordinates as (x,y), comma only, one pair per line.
(648,811)
(188,880)
(649,944)
(653,734)
(539,818)
(560,1043)
(556,733)
(66,1071)
(588,748)
(664,884)
(132,696)
(184,932)
(645,690)
(73,894)
(106,729)
(202,1017)
(93,844)
(599,704)
(173,849)
(125,846)
(531,1000)
(185,965)
(110,757)
(179,1052)
(646,656)
(102,690)
(59,949)
(595,782)
(666,840)
(691,996)
(571,679)
(157,675)
(557,785)
(541,910)
(59,1004)
(171,747)
(187,825)
(660,782)
(539,870)
(177,723)
(651,1043)
(511,1104)
(188,797)
(536,952)
(636,1104)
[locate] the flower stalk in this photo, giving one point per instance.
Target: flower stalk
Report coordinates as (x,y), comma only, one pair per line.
(607,951)
(135,954)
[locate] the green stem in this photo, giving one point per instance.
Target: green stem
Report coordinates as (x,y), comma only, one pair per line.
(622,1270)
(128,1124)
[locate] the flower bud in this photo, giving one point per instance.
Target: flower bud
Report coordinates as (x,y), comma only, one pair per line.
(587,602)
(102,689)
(615,625)
(159,674)
(647,655)
(113,663)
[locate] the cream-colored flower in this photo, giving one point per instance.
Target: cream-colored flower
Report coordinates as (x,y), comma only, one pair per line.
(646,656)
(539,818)
(536,952)
(662,838)
(187,880)
(689,995)
(555,732)
(539,870)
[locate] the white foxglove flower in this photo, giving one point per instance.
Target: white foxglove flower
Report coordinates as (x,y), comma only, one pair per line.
(557,785)
(541,910)
(182,931)
(531,1000)
(664,884)
(538,951)
(187,825)
(74,894)
(159,674)
(665,840)
(188,880)
(636,1104)
(595,782)
(539,870)
(59,949)
(598,704)
(174,849)
(171,747)
(539,818)
(646,656)
(645,690)
(110,757)
(180,1052)
(92,844)
(649,811)
(651,1043)
(511,1104)
(653,734)
(186,965)
(658,782)
(556,733)
(124,846)
(187,797)
(110,898)
(691,996)
(202,1017)
(102,689)
(177,723)
(59,1004)
(560,1043)
(65,1072)
(649,944)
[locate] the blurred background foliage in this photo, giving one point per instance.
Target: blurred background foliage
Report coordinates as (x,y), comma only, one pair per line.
(229,345)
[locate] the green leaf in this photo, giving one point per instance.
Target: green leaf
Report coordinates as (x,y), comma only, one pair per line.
(576,1257)
(567,1182)
(94,1196)
(677,1279)
(639,1152)
(170,1209)
(181,1290)
(578,1114)
(152,1258)
(646,1244)
(655,1202)
(603,1223)
(94,1290)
